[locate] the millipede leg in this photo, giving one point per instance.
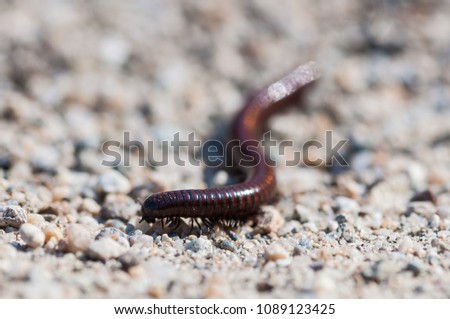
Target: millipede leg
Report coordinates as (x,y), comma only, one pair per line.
(163,225)
(199,226)
(177,223)
(191,226)
(206,222)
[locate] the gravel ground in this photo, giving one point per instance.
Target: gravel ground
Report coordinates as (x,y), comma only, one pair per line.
(73,75)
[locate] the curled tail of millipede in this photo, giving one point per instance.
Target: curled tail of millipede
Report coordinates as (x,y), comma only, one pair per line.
(228,205)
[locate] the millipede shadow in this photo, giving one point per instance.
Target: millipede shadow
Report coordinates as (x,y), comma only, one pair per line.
(220,137)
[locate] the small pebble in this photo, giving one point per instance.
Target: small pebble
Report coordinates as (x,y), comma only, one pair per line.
(116,223)
(324,284)
(52,231)
(130,259)
(7,251)
(302,214)
(406,245)
(418,175)
(381,271)
(32,235)
(56,208)
(35,219)
(61,193)
(271,220)
(248,245)
(275,252)
(105,248)
(291,227)
(444,211)
(78,238)
(119,206)
(227,245)
(232,235)
(5,161)
(414,267)
(12,215)
(306,243)
(52,244)
(220,178)
(166,239)
(115,234)
(90,206)
(133,235)
(425,209)
(113,182)
(434,221)
(217,288)
(114,50)
(178,245)
(45,159)
(346,205)
(198,244)
(142,241)
(89,223)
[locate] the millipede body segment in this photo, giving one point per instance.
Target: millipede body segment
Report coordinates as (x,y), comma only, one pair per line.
(227,205)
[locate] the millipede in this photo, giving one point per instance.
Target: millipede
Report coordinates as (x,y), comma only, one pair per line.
(230,205)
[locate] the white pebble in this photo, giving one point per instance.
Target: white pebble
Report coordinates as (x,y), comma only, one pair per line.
(52,231)
(35,219)
(114,50)
(115,234)
(271,220)
(90,206)
(290,227)
(198,244)
(7,251)
(275,252)
(418,175)
(113,182)
(105,248)
(347,205)
(444,211)
(32,235)
(406,245)
(221,177)
(78,238)
(143,241)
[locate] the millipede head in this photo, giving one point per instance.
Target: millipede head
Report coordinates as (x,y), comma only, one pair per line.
(151,209)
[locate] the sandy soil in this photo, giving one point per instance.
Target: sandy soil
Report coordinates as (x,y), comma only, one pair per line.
(74,75)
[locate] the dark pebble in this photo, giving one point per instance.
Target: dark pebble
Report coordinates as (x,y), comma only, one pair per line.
(227,245)
(425,196)
(232,235)
(129,259)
